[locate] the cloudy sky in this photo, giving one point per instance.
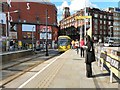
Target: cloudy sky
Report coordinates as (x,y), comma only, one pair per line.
(75,5)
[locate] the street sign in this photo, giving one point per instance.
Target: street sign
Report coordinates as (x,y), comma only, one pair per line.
(83,17)
(2,18)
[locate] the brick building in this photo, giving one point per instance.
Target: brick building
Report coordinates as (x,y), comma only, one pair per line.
(101,21)
(28,24)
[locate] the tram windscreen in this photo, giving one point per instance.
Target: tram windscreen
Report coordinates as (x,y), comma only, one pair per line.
(62,42)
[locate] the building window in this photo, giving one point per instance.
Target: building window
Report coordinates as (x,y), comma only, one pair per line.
(101,32)
(104,16)
(100,16)
(95,26)
(117,29)
(65,22)
(104,27)
(110,17)
(104,32)
(95,15)
(116,18)
(109,22)
(116,33)
(95,21)
(116,24)
(115,14)
(95,32)
(100,27)
(104,22)
(100,21)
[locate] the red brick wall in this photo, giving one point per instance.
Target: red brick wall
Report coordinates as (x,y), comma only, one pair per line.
(37,10)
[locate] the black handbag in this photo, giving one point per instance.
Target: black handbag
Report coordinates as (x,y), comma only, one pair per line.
(90,57)
(90,54)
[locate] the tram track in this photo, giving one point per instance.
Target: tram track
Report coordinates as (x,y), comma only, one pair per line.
(24,59)
(35,60)
(9,79)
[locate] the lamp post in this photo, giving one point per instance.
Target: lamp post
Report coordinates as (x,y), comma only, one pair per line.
(110,30)
(85,23)
(32,39)
(46,34)
(8,17)
(8,26)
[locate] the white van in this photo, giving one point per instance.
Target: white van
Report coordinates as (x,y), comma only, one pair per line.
(112,41)
(108,43)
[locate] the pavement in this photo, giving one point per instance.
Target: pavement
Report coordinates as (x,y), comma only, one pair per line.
(65,71)
(72,74)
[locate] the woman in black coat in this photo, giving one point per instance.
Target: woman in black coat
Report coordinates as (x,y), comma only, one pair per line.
(90,56)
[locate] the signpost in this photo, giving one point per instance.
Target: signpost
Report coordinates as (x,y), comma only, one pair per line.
(90,29)
(83,17)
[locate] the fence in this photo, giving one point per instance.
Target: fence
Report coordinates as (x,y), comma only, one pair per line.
(110,57)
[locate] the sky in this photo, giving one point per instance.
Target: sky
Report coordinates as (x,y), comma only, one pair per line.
(75,5)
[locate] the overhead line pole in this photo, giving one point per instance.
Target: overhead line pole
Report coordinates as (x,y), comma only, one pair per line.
(85,23)
(47,33)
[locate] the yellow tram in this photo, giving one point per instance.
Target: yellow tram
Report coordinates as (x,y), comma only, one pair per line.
(63,43)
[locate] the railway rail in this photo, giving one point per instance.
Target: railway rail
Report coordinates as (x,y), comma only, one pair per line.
(18,67)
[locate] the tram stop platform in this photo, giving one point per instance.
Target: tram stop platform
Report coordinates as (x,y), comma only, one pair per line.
(64,71)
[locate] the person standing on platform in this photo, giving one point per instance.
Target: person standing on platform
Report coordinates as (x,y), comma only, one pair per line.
(77,45)
(90,56)
(82,43)
(72,44)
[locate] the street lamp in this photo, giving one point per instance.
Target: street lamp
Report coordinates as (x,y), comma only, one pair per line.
(110,30)
(8,25)
(8,16)
(32,39)
(85,23)
(47,33)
